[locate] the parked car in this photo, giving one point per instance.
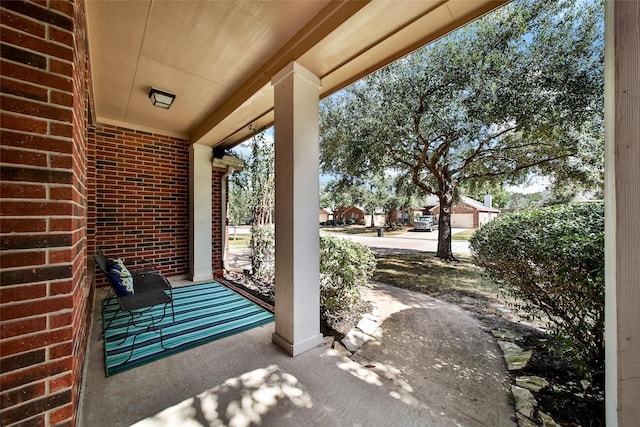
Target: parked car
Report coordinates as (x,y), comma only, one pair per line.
(426,223)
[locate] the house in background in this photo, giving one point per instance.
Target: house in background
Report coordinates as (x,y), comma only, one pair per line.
(325,215)
(431,202)
(346,213)
(470,213)
(401,216)
(87,161)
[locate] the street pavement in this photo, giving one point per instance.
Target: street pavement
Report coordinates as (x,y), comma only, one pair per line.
(408,242)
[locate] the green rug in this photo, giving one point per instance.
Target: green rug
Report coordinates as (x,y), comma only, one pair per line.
(203,313)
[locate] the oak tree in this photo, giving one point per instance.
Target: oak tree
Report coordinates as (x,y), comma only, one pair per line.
(517,92)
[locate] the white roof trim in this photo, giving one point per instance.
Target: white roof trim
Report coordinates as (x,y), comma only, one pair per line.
(474,204)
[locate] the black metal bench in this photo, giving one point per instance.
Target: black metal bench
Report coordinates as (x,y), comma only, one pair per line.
(150,287)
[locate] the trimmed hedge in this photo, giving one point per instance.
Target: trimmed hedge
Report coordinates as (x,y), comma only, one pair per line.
(262,247)
(344,266)
(553,259)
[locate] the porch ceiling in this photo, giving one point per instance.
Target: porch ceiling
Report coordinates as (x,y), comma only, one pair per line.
(218,57)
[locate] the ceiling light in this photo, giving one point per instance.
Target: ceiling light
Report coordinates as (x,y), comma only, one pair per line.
(161,98)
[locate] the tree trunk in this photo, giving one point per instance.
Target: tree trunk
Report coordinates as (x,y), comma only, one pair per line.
(336,214)
(444,225)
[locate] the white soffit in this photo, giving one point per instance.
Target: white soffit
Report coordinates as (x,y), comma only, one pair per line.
(218,56)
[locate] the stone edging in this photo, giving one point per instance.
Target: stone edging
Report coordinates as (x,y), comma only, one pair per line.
(525,403)
(357,336)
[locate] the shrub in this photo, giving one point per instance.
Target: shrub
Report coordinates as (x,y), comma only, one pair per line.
(344,267)
(262,252)
(351,221)
(553,259)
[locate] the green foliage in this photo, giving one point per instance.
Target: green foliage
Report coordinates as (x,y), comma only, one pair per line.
(515,93)
(553,258)
(344,267)
(371,191)
(251,194)
(239,203)
(262,246)
(261,170)
(251,191)
(524,201)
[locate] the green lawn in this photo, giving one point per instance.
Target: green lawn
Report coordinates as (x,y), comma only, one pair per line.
(450,281)
(360,229)
(425,273)
(241,240)
(463,235)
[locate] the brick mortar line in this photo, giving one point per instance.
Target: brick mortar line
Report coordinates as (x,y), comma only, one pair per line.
(35,333)
(39,135)
(37,101)
(38,85)
(42,119)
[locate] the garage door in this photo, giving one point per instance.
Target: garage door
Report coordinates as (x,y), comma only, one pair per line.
(462,220)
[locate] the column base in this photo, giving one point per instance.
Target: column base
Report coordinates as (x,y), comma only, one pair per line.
(201,277)
(299,348)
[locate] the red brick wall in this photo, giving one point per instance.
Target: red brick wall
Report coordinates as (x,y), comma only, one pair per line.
(352,213)
(82,309)
(139,197)
(345,213)
(67,187)
(43,309)
(216,223)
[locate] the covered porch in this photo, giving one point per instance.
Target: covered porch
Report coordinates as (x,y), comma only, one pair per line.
(232,67)
(245,379)
(88,162)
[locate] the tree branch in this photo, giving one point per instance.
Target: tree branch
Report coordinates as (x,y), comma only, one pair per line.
(515,169)
(479,150)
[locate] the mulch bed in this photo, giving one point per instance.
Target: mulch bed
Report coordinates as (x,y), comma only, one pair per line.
(566,399)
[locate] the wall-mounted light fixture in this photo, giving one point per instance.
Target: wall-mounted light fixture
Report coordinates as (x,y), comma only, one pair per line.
(161,98)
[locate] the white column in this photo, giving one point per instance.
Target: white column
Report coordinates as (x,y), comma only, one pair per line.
(622,199)
(297,293)
(200,174)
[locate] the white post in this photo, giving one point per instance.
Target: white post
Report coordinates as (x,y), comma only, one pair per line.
(622,201)
(200,217)
(297,293)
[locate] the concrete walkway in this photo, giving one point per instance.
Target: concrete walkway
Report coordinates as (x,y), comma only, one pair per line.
(429,364)
(439,355)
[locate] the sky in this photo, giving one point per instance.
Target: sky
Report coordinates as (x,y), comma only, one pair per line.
(537,185)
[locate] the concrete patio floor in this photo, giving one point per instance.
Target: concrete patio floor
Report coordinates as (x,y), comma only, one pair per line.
(429,364)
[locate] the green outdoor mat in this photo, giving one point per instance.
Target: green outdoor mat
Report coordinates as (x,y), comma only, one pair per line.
(203,313)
